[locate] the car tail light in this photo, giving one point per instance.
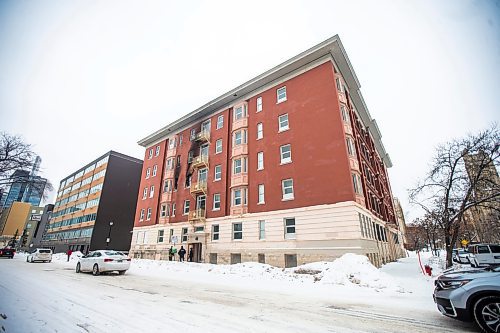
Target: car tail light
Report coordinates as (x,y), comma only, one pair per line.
(108,260)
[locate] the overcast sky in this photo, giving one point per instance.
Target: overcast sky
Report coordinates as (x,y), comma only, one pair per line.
(80,78)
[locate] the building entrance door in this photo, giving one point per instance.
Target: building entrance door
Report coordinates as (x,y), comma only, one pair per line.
(196,251)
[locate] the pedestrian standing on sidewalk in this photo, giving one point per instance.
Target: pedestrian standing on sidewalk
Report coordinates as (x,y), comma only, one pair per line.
(170,253)
(182,253)
(69,253)
(191,254)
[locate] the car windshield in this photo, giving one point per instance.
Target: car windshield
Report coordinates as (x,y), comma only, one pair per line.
(113,253)
(44,251)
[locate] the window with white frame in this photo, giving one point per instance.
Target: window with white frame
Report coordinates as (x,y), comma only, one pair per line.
(155,169)
(345,115)
(141,217)
(157,151)
(262,229)
(145,193)
(186,207)
(205,126)
(173,209)
(218,172)
(190,156)
(148,173)
(151,153)
(218,146)
(148,216)
(239,165)
(281,95)
(286,154)
(184,235)
(216,205)
(283,122)
(167,186)
(289,227)
(202,175)
(260,131)
(240,137)
(151,191)
(163,211)
(259,104)
(350,146)
(287,189)
(192,136)
(171,143)
(356,183)
(215,232)
(260,160)
(240,112)
(170,163)
(339,85)
(220,122)
(160,236)
(237,200)
(180,139)
(237,231)
(261,194)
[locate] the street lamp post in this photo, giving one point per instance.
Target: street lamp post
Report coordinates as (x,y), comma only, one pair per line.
(109,234)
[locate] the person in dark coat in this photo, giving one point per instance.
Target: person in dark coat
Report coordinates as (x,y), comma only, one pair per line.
(191,254)
(69,253)
(182,253)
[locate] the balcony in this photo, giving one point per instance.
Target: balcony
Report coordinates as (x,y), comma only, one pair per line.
(200,161)
(199,188)
(197,215)
(203,136)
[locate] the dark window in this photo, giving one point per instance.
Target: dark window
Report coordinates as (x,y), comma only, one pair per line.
(262,258)
(495,248)
(290,260)
(235,258)
(213,258)
(483,249)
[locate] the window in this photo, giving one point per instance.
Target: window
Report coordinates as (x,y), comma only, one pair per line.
(283,122)
(145,193)
(141,217)
(262,229)
(237,197)
(339,85)
(155,169)
(237,231)
(240,137)
(261,194)
(213,258)
(180,139)
(151,153)
(216,201)
(350,146)
(260,160)
(355,181)
(160,236)
(173,209)
(260,131)
(215,232)
(281,94)
(289,227)
(220,121)
(148,173)
(235,258)
(287,188)
(184,235)
(218,146)
(205,126)
(190,156)
(167,187)
(186,207)
(188,182)
(286,154)
(290,260)
(192,135)
(170,163)
(345,115)
(239,165)
(202,175)
(218,172)
(171,235)
(171,143)
(259,104)
(240,112)
(157,151)
(163,211)
(151,191)
(148,217)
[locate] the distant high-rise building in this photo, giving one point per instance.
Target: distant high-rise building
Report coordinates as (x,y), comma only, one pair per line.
(24,188)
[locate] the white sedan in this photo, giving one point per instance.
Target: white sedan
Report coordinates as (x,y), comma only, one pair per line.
(103,261)
(43,255)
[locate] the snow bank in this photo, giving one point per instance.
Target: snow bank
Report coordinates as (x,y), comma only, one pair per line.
(349,270)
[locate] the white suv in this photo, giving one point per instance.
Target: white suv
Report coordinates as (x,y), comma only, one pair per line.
(43,255)
(484,254)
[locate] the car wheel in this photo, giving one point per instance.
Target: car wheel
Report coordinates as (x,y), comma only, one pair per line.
(487,314)
(121,272)
(95,270)
(78,268)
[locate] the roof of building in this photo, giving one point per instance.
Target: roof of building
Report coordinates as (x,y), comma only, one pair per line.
(332,46)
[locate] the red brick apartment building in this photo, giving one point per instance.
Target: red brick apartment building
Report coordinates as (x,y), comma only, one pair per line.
(286,169)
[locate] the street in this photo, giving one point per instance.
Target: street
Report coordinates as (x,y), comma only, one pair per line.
(51,297)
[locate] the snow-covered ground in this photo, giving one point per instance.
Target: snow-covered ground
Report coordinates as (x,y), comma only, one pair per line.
(346,295)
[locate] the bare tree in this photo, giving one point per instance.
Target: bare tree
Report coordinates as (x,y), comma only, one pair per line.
(15,155)
(453,187)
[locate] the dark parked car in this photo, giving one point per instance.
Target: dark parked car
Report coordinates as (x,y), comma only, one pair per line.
(472,295)
(7,252)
